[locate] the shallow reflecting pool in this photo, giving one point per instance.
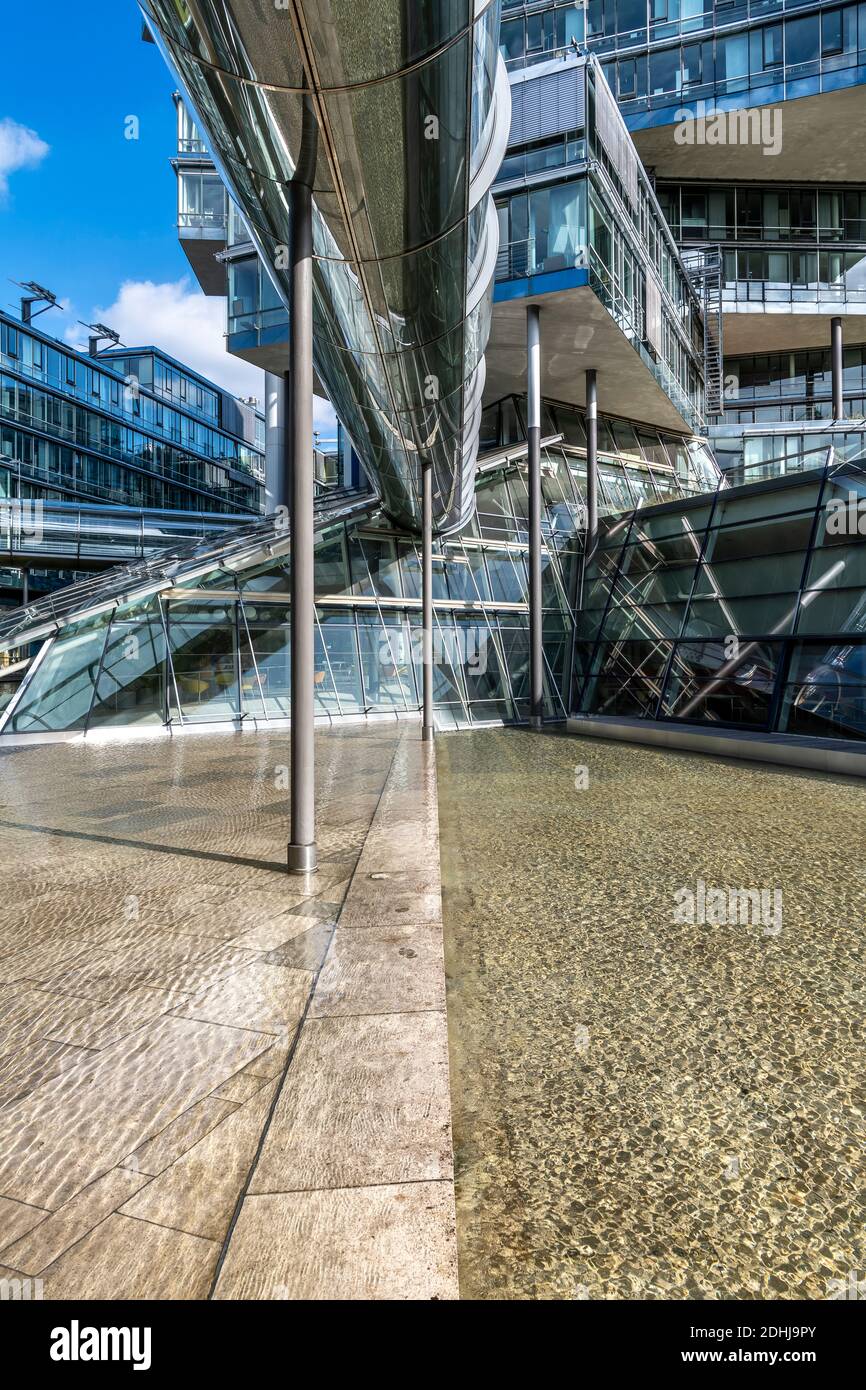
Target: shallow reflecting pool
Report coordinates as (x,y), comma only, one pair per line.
(658,1085)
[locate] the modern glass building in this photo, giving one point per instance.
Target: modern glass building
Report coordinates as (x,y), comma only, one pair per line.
(103,454)
(682,286)
(582,235)
(404,229)
(130,426)
(201,636)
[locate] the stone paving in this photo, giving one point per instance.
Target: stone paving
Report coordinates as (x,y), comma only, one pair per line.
(219,1081)
(156,962)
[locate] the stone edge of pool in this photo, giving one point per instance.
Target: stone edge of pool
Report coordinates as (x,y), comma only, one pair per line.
(371,1065)
(840,756)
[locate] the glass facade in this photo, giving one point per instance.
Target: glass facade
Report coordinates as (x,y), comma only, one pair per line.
(745,609)
(129,428)
(792,55)
(749,455)
(536,33)
(697,48)
(581,199)
(201,202)
(404,244)
(780,386)
(779,243)
(638,464)
(207,641)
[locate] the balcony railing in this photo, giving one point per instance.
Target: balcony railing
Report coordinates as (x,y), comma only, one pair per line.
(210,225)
(520,259)
(766,292)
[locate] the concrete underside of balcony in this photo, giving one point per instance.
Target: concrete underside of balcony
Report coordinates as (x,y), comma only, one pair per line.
(821,142)
(752,328)
(577,333)
(201,251)
(216,1079)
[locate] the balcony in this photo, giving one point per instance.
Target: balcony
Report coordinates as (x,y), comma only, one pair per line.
(579,222)
(202,221)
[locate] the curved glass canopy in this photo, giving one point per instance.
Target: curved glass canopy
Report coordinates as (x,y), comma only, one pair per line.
(412,106)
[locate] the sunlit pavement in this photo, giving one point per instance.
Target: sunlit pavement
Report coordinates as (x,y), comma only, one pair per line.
(155,963)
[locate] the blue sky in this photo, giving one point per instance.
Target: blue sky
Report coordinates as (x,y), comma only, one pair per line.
(98,208)
(92,217)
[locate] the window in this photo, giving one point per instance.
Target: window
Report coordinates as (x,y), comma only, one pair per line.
(732,58)
(772,46)
(692,66)
(664,71)
(831,32)
(801,40)
(630,14)
(627,78)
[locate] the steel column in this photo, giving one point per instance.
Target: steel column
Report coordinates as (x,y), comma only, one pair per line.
(591,467)
(300,464)
(533,434)
(836,364)
(276,482)
(427,599)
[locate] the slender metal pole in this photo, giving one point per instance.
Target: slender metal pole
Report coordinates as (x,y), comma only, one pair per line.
(591,467)
(427,599)
(836,364)
(533,431)
(302,856)
(25,586)
(276,395)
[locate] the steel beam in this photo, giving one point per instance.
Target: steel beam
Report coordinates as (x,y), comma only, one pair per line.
(591,466)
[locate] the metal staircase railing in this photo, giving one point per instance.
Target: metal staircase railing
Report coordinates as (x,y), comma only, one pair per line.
(703,266)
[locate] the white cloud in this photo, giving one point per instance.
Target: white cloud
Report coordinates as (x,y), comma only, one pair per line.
(324,420)
(185,323)
(20,148)
(190,326)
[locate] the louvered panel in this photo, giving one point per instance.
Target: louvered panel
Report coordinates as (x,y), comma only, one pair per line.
(548,105)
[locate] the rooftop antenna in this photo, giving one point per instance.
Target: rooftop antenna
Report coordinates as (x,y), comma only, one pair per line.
(36,294)
(99,333)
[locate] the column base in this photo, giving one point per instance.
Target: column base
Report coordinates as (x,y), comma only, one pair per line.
(427,732)
(535,721)
(302,859)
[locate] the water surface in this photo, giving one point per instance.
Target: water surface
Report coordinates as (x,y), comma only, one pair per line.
(646,1108)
